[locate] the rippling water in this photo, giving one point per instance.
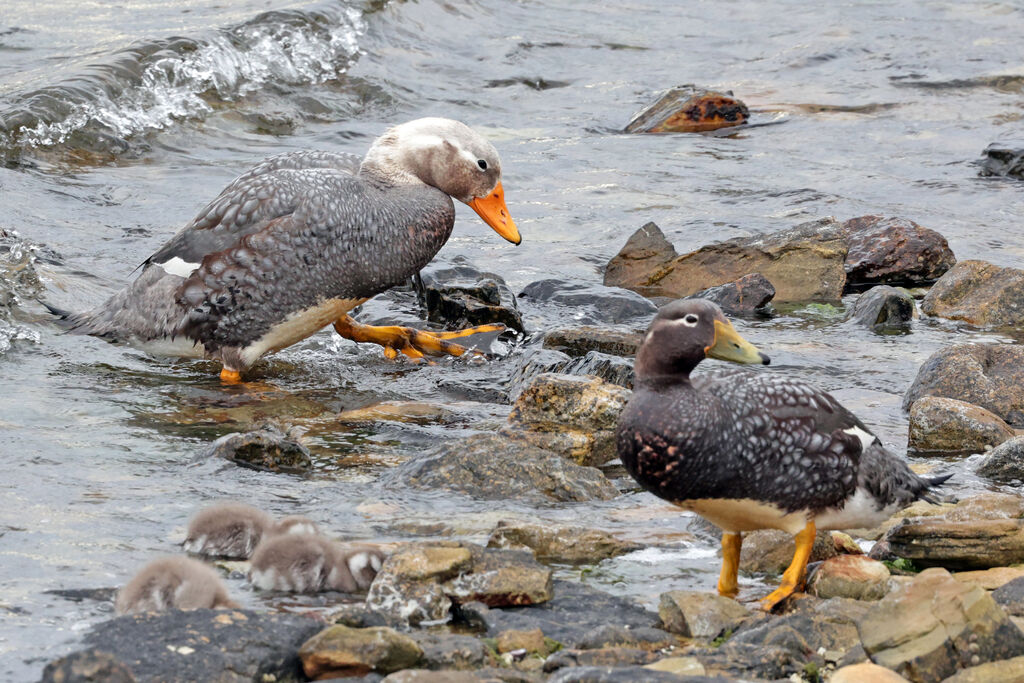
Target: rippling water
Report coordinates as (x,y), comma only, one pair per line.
(117,124)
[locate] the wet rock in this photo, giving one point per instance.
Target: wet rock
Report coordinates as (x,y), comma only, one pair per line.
(987,375)
(266,449)
(804,263)
(982,532)
(850,576)
(610,656)
(340,651)
(485,675)
(555,543)
(569,617)
(496,467)
(680,666)
(531,641)
(883,309)
(952,427)
(700,615)
(201,645)
(573,416)
(613,369)
(865,672)
(1003,159)
(640,260)
(744,297)
(689,109)
(978,293)
(461,295)
(451,651)
(579,341)
(886,250)
(590,304)
(771,550)
(420,582)
(1011,597)
(87,666)
(616,635)
(934,625)
(1006,461)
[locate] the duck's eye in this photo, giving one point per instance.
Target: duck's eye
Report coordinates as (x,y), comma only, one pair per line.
(482,164)
(691,320)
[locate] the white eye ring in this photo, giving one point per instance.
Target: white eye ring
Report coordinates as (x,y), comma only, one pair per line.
(691,320)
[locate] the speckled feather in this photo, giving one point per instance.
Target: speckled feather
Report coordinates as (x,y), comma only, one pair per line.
(741,435)
(303,215)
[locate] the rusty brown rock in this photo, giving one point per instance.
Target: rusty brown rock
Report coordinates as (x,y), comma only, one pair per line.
(978,293)
(771,550)
(850,576)
(689,109)
(340,651)
(951,427)
(560,543)
(640,260)
(887,250)
(987,375)
(958,544)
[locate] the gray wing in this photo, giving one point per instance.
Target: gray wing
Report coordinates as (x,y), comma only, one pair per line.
(250,202)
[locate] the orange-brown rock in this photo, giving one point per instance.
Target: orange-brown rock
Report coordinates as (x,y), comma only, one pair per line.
(979,293)
(850,576)
(689,109)
(948,426)
(889,250)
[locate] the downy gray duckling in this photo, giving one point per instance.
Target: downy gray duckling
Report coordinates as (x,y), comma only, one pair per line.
(173,583)
(234,530)
(303,563)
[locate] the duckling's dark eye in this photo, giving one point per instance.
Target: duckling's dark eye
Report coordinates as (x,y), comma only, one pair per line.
(482,164)
(691,320)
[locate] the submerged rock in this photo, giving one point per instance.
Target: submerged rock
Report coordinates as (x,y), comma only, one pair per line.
(952,427)
(887,250)
(606,367)
(589,303)
(804,263)
(579,341)
(934,626)
(1006,461)
(266,449)
(749,295)
(689,109)
(987,375)
(573,416)
(1003,159)
(640,260)
(883,309)
(978,293)
(554,543)
(200,645)
(461,295)
(497,467)
(340,652)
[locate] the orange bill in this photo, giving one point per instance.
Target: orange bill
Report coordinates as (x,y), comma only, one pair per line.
(494,212)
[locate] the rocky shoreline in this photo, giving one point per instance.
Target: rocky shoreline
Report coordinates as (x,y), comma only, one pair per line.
(935,594)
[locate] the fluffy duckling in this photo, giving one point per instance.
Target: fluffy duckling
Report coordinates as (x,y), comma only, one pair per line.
(310,564)
(173,583)
(234,530)
(751,450)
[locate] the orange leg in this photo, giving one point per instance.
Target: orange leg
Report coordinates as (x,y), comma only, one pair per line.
(230,376)
(727,583)
(413,343)
(793,577)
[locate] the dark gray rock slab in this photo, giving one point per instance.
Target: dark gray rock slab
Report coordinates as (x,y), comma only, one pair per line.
(205,644)
(579,341)
(458,294)
(747,296)
(591,303)
(573,612)
(87,666)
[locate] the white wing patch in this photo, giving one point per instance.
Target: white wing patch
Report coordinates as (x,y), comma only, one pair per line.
(865,438)
(178,266)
